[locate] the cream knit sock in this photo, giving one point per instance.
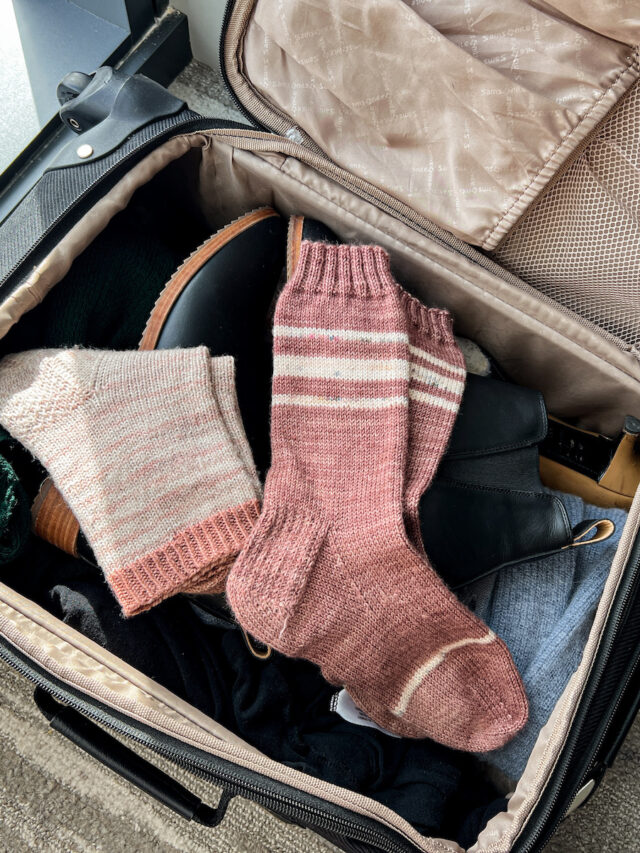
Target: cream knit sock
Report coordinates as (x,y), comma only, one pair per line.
(224,380)
(136,442)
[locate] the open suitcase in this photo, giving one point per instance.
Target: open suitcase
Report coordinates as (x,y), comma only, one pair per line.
(496,160)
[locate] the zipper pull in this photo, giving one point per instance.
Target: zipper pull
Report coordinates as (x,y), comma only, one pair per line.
(295,135)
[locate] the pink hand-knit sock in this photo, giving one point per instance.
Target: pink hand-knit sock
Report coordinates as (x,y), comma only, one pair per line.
(328,573)
(437,375)
(136,444)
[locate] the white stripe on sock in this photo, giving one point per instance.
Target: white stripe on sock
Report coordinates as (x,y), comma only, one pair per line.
(337,402)
(432,400)
(430,377)
(341,334)
(435,660)
(324,367)
(438,362)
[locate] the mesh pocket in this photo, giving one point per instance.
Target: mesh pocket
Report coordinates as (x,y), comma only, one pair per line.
(580,245)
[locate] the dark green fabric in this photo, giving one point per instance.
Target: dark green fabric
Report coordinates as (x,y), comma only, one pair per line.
(107,296)
(15,511)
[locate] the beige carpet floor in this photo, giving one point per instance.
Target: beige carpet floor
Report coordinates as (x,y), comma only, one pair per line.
(56,799)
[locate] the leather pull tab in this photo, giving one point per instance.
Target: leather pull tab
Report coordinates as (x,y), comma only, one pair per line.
(261,654)
(591,532)
(53,521)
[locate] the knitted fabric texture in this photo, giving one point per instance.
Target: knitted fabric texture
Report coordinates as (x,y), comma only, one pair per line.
(437,362)
(224,381)
(328,573)
(544,611)
(136,444)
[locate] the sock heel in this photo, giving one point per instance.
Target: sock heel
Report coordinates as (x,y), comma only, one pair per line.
(266,584)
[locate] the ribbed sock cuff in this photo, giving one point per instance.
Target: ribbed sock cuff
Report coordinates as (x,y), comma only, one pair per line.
(268,579)
(343,270)
(437,323)
(191,553)
(213,582)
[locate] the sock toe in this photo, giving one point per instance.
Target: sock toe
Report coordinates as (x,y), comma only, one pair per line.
(473,700)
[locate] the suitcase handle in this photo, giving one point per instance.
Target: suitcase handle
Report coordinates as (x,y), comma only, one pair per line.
(106,107)
(127,763)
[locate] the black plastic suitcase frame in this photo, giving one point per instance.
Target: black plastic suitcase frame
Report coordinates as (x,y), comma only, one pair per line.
(117,135)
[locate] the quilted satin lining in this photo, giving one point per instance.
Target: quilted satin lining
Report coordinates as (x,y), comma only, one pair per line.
(462,111)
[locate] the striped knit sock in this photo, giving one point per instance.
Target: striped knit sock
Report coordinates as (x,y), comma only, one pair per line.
(224,381)
(328,573)
(437,379)
(137,445)
(437,374)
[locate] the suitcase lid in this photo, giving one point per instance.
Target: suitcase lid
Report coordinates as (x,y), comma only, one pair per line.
(462,114)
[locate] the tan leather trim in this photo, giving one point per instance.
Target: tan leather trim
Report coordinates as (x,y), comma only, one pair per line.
(586,431)
(623,474)
(53,521)
(261,654)
(564,479)
(294,239)
(187,270)
(617,485)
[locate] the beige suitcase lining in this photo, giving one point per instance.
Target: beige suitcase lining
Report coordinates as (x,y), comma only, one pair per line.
(598,384)
(462,111)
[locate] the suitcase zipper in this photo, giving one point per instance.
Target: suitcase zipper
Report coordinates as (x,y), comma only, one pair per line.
(282,805)
(315,158)
(279,804)
(235,784)
(223,33)
(615,709)
(367,191)
(265,141)
(194,125)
